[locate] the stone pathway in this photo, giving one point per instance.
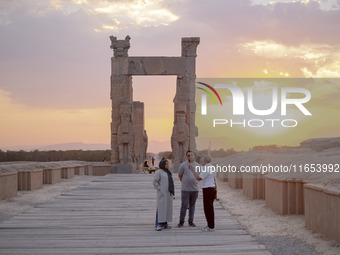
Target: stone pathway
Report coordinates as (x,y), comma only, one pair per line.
(115,214)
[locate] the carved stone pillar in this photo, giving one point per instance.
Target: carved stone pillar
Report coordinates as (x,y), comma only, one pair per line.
(184,130)
(122,134)
(140,143)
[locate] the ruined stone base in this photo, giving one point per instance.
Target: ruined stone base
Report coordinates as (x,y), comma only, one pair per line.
(88,170)
(101,169)
(8,185)
(79,170)
(223,177)
(30,180)
(253,185)
(125,168)
(67,172)
(235,180)
(284,196)
(322,205)
(175,167)
(114,169)
(51,176)
(137,169)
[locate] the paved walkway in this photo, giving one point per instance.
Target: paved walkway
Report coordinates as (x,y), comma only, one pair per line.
(115,214)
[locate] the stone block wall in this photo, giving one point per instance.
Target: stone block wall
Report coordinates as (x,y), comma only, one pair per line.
(222,176)
(51,176)
(32,175)
(79,170)
(253,185)
(35,179)
(88,169)
(101,169)
(8,185)
(284,196)
(322,207)
(67,172)
(312,194)
(235,180)
(30,180)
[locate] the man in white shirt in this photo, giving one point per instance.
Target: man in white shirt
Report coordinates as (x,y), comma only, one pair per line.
(207,176)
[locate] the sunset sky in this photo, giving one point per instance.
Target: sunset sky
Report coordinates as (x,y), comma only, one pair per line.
(55,59)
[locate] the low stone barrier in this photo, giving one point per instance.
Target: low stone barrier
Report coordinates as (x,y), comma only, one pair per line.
(235,180)
(79,170)
(322,208)
(30,180)
(222,176)
(8,185)
(284,196)
(51,175)
(67,172)
(17,176)
(88,169)
(101,169)
(253,185)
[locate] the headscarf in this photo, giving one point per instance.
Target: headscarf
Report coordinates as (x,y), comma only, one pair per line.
(170,180)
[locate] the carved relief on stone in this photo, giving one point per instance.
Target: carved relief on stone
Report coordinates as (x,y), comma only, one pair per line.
(140,141)
(125,135)
(180,136)
(121,89)
(145,139)
(114,149)
(182,89)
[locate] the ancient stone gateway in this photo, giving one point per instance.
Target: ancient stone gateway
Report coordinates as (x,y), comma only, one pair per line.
(128,137)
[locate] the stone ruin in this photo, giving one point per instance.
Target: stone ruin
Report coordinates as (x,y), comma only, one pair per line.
(128,137)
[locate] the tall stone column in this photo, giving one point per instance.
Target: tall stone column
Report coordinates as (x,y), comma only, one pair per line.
(141,138)
(122,133)
(189,51)
(184,130)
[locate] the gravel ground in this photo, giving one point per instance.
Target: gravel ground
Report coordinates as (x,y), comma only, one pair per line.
(279,245)
(280,234)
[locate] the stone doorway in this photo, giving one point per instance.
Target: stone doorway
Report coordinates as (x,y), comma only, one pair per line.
(124,133)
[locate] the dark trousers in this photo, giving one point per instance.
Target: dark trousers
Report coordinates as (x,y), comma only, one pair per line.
(188,198)
(208,204)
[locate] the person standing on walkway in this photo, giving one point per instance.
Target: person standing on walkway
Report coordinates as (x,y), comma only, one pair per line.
(207,176)
(164,185)
(153,161)
(189,189)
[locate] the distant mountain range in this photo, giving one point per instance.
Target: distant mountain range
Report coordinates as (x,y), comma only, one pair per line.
(76,146)
(61,147)
(156,146)
(153,146)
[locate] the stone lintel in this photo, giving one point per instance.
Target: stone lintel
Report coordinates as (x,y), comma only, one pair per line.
(156,65)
